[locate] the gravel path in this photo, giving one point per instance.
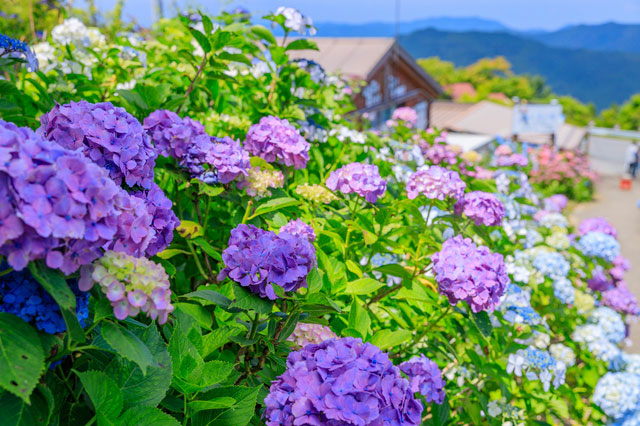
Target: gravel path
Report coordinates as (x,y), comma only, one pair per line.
(620,208)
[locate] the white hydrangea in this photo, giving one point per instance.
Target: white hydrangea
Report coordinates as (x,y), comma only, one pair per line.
(296,21)
(344,134)
(563,353)
(72,30)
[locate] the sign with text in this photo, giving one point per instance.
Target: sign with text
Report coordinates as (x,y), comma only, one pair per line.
(529,118)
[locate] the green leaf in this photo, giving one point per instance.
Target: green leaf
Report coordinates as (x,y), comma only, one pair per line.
(302,44)
(210,296)
(206,189)
(353,267)
(213,404)
(189,229)
(483,322)
(204,245)
(104,394)
(363,286)
(263,33)
(206,23)
(359,318)
(16,411)
(127,345)
(395,270)
(440,413)
(147,416)
(385,339)
(250,301)
(202,40)
(314,281)
(197,312)
(209,374)
(169,253)
(238,415)
(273,205)
(215,339)
(21,356)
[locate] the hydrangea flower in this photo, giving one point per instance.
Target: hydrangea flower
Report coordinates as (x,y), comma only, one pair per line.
(11,47)
(620,266)
(559,239)
(381,259)
(257,259)
(597,224)
(59,206)
(512,160)
(436,183)
(584,302)
(599,280)
(482,207)
(564,291)
(617,394)
(315,193)
(551,264)
(299,228)
(228,158)
(362,179)
(556,203)
(341,382)
(111,137)
(425,378)
(296,21)
(631,419)
(610,322)
(537,365)
(551,220)
(21,295)
(467,272)
(621,299)
(440,153)
(275,140)
(258,182)
(563,353)
(131,284)
(164,220)
(599,244)
(596,342)
(406,114)
(305,334)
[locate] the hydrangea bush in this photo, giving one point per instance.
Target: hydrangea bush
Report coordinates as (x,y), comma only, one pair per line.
(194,234)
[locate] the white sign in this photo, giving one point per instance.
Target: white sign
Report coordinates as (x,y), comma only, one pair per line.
(536,118)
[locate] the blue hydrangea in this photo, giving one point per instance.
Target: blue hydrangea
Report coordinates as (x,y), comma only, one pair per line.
(610,322)
(21,295)
(599,244)
(598,344)
(631,419)
(551,264)
(617,394)
(537,364)
(16,48)
(564,291)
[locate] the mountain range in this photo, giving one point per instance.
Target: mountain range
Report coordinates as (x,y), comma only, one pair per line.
(594,63)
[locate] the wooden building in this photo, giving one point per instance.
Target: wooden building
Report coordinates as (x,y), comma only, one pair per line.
(392,76)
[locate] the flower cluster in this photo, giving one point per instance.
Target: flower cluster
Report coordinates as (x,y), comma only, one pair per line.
(467,272)
(359,178)
(610,322)
(597,224)
(556,203)
(550,220)
(111,137)
(440,153)
(617,394)
(563,353)
(437,183)
(21,295)
(551,264)
(599,281)
(558,166)
(537,365)
(228,159)
(299,228)
(482,207)
(564,291)
(275,140)
(305,334)
(11,47)
(621,299)
(597,343)
(425,378)
(341,382)
(620,266)
(599,244)
(164,220)
(258,181)
(257,259)
(406,114)
(315,193)
(131,284)
(296,21)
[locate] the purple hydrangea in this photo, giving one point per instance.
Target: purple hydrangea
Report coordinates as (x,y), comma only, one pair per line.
(425,377)
(440,153)
(275,140)
(341,382)
(512,160)
(435,182)
(135,230)
(621,299)
(164,220)
(186,140)
(58,205)
(556,203)
(467,272)
(362,179)
(298,227)
(620,266)
(599,280)
(482,207)
(256,259)
(597,224)
(110,136)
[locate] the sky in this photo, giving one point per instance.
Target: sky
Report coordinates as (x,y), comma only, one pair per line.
(518,14)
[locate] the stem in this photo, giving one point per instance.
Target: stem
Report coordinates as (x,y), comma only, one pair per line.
(191,85)
(383,294)
(92,421)
(206,256)
(246,212)
(198,264)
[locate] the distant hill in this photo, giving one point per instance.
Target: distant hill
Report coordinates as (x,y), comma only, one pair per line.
(610,37)
(591,76)
(387,29)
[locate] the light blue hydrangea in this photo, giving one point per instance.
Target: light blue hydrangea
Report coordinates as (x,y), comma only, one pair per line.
(617,394)
(632,363)
(610,322)
(554,219)
(631,419)
(551,264)
(599,244)
(563,353)
(537,364)
(564,291)
(594,339)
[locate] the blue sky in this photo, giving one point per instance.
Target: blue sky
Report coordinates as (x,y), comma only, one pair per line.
(519,14)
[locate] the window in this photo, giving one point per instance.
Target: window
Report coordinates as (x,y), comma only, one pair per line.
(421,110)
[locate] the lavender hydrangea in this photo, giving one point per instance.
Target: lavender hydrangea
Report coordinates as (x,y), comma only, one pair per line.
(276,140)
(425,378)
(597,224)
(164,220)
(305,334)
(467,272)
(440,153)
(228,158)
(108,135)
(341,382)
(556,203)
(362,179)
(620,266)
(617,394)
(257,259)
(599,281)
(435,182)
(299,228)
(59,206)
(482,207)
(621,299)
(599,244)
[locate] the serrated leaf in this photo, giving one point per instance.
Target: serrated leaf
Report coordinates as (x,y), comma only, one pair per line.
(359,318)
(147,416)
(314,281)
(104,394)
(238,415)
(16,412)
(202,40)
(21,356)
(250,301)
(127,345)
(197,312)
(363,286)
(213,404)
(385,339)
(215,339)
(210,296)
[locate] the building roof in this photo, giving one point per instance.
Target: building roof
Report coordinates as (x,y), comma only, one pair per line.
(458,90)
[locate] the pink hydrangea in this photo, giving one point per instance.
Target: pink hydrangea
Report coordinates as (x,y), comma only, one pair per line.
(305,334)
(362,179)
(435,182)
(406,114)
(277,141)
